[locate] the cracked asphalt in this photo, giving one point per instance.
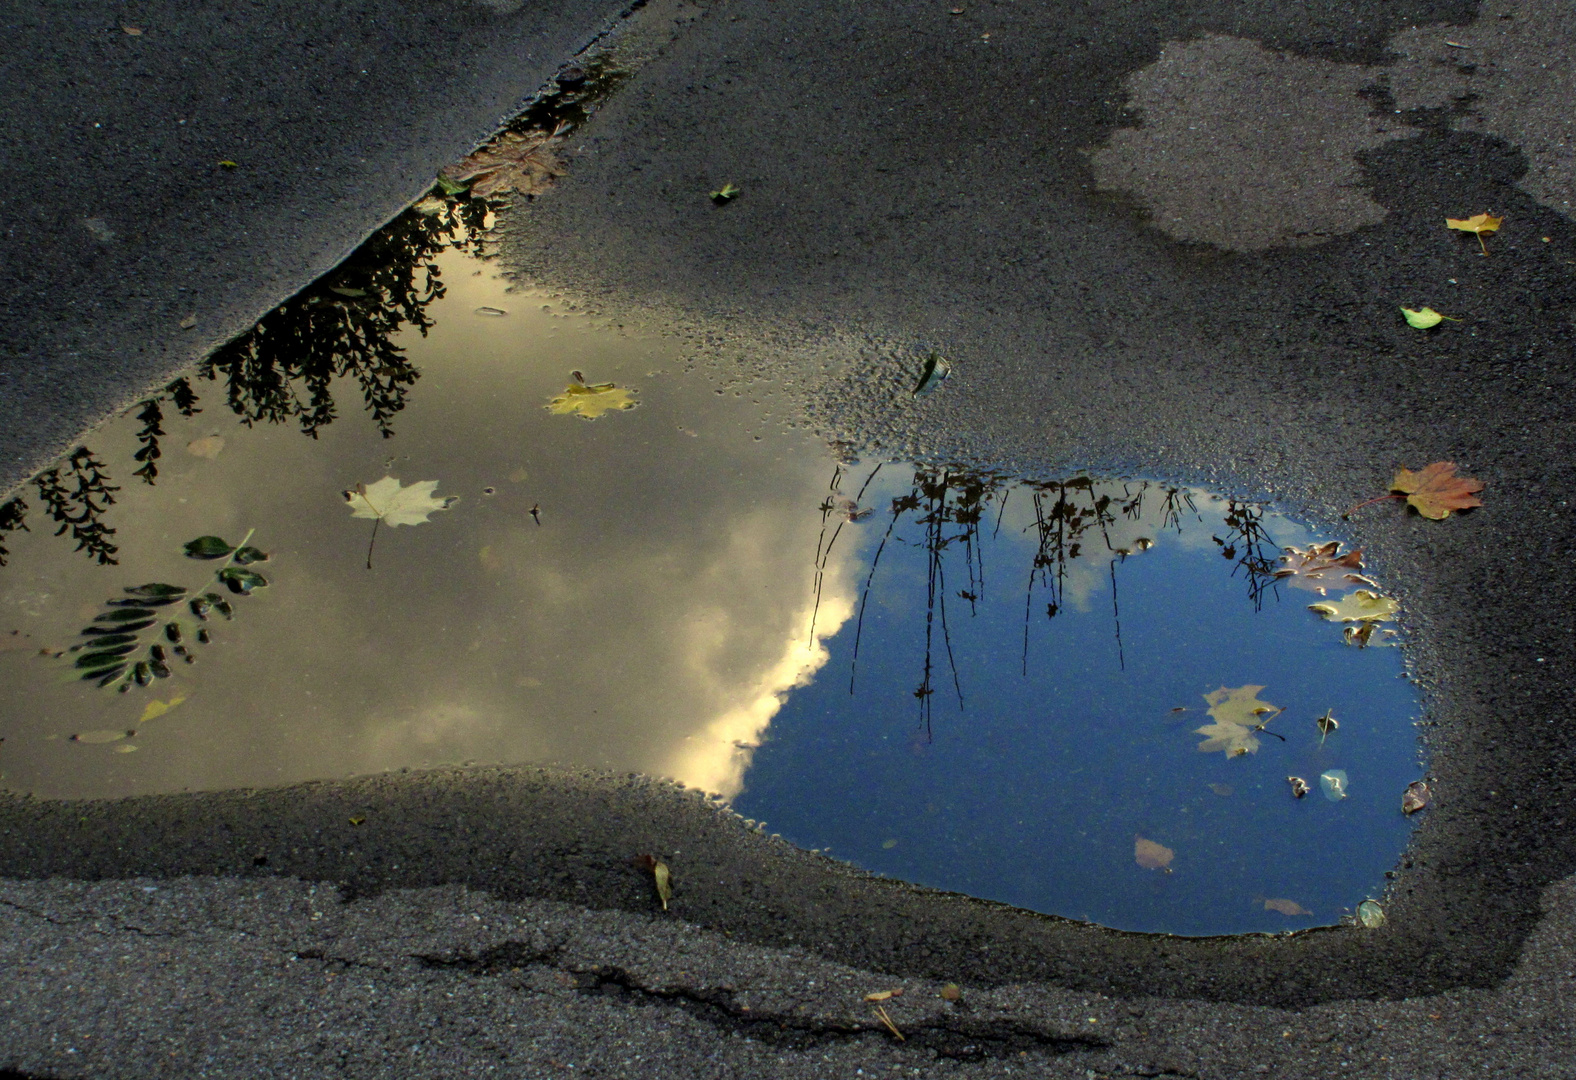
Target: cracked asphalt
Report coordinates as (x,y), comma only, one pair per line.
(1151,238)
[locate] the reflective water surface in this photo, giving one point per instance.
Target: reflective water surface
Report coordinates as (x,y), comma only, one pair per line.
(446,522)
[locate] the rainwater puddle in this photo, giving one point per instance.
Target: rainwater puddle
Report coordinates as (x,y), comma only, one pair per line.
(462,567)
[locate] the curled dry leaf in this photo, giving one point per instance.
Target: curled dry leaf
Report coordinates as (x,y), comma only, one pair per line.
(1370,914)
(1286,907)
(951,992)
(1333,782)
(1299,786)
(1478,224)
(523,163)
(1415,797)
(1437,490)
(1152,856)
(661,876)
(1321,567)
(884,995)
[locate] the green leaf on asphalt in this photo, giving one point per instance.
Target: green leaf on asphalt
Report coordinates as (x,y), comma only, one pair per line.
(1424,318)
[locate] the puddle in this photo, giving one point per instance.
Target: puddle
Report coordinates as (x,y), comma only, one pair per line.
(459,523)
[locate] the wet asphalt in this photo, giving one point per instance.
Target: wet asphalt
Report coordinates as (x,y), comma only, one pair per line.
(1164,241)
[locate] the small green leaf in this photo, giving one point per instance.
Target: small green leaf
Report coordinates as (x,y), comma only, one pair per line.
(726,193)
(248,555)
(156,589)
(207,547)
(451,187)
(241,581)
(1424,318)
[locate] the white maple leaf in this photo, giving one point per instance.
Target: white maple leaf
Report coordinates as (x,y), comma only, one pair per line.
(392,504)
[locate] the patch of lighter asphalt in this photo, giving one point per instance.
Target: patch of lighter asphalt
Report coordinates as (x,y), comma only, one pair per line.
(1514,77)
(1245,148)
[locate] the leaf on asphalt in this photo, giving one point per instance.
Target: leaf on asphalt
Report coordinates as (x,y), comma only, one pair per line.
(1415,797)
(1286,907)
(155,709)
(1152,856)
(524,163)
(590,401)
(1477,224)
(1437,490)
(951,992)
(1363,605)
(1425,318)
(1370,914)
(884,995)
(1333,783)
(724,194)
(188,322)
(393,504)
(207,447)
(1238,716)
(661,876)
(1320,567)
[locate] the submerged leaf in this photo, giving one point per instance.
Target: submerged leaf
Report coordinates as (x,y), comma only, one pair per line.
(1437,490)
(526,163)
(1238,716)
(396,505)
(1152,856)
(1286,907)
(1360,606)
(590,402)
(1333,782)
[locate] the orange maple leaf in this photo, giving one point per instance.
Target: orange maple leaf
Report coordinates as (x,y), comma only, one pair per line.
(1477,224)
(1437,490)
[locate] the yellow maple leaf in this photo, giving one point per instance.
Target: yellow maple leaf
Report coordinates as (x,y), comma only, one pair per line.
(1477,224)
(590,401)
(1239,716)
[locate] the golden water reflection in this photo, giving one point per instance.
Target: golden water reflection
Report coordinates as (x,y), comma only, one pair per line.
(649,615)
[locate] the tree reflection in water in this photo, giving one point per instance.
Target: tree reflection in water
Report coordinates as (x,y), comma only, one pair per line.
(1072,519)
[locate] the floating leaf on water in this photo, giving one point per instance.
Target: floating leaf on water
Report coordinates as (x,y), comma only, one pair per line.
(1415,797)
(1436,489)
(1360,635)
(1152,856)
(1239,715)
(494,312)
(105,641)
(935,371)
(392,504)
(248,555)
(448,187)
(1299,786)
(207,547)
(1328,723)
(105,677)
(888,845)
(126,748)
(101,736)
(104,658)
(1359,606)
(1286,907)
(200,606)
(590,401)
(155,709)
(123,615)
(432,205)
(1370,914)
(121,628)
(1320,567)
(1333,783)
(1223,790)
(526,163)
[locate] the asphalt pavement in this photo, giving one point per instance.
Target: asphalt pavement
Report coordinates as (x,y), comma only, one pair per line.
(1151,238)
